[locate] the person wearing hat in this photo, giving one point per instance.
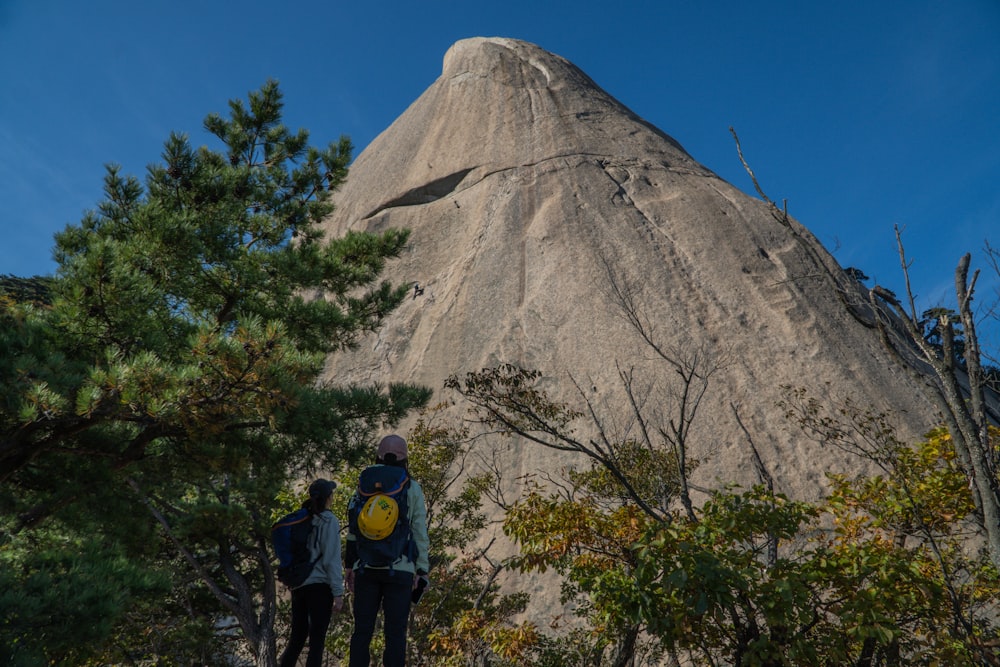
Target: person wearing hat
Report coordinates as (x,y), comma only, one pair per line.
(391,588)
(322,593)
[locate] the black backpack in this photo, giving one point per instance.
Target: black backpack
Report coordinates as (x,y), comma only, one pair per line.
(391,482)
(290,539)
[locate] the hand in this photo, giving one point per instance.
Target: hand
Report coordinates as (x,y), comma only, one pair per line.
(349,580)
(420,584)
(338,604)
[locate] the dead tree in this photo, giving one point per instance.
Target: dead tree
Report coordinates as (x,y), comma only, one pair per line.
(961,388)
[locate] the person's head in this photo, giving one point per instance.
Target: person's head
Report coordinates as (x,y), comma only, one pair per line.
(320,492)
(391,451)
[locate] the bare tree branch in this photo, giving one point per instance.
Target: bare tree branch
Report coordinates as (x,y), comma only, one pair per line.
(224,598)
(783,218)
(960,390)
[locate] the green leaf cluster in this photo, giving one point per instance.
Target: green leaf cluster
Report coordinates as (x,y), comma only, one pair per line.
(884,571)
(165,389)
(67,589)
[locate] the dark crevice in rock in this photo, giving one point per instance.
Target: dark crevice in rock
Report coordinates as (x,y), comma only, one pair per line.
(426,193)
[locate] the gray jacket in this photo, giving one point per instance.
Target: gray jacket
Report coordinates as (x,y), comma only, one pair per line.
(324,549)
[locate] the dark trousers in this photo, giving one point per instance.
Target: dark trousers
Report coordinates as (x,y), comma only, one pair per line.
(389,591)
(312,607)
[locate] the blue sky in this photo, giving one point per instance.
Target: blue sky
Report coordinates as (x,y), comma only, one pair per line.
(861,114)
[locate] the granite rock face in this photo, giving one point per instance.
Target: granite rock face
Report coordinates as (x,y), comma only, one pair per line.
(530,192)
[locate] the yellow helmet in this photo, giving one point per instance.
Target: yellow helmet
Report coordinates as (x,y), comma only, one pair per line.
(378,517)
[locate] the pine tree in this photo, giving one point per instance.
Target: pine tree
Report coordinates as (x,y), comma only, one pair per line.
(174,377)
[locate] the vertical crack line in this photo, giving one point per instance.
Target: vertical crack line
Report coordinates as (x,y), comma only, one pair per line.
(523,278)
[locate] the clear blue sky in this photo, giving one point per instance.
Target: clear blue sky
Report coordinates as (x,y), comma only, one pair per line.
(861,114)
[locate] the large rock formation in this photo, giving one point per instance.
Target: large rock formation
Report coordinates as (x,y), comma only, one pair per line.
(527,188)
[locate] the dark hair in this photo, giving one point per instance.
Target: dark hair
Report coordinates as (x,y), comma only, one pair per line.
(315,505)
(390,460)
(319,491)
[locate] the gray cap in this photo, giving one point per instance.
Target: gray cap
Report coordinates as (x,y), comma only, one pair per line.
(392,444)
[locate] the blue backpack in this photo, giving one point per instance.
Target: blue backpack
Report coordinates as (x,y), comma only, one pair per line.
(290,539)
(393,482)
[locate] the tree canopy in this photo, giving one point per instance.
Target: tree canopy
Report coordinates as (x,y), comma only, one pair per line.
(154,407)
(881,572)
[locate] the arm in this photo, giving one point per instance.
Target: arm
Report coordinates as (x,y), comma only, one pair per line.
(331,556)
(350,548)
(418,526)
(350,551)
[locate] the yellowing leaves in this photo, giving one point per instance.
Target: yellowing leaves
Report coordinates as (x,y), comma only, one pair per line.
(473,633)
(561,533)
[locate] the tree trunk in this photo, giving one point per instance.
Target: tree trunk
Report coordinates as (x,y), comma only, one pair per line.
(257,625)
(625,651)
(980,447)
(267,652)
(967,420)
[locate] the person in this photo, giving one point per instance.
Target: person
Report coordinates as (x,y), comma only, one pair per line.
(389,589)
(322,593)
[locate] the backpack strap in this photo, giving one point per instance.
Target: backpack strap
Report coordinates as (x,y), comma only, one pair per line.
(291,521)
(389,492)
(400,484)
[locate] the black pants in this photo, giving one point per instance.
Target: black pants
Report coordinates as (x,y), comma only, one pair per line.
(312,607)
(379,589)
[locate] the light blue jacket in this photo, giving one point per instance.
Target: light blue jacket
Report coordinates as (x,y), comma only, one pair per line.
(324,549)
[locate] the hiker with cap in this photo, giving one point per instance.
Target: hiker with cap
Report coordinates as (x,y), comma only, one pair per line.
(386,552)
(322,593)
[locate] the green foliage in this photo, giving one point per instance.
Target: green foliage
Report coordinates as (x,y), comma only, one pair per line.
(462,574)
(36,291)
(708,589)
(60,596)
(174,369)
(652,473)
(883,572)
(463,608)
(857,274)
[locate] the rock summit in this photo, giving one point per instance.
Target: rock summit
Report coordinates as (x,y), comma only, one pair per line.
(536,201)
